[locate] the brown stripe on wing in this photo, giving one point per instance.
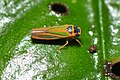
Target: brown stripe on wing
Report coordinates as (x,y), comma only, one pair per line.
(47,36)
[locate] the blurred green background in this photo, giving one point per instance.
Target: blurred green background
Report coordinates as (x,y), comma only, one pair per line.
(20,59)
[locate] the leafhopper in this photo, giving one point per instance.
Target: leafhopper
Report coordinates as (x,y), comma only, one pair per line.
(57,32)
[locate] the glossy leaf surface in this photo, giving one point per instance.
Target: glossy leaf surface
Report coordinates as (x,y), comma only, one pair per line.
(20,59)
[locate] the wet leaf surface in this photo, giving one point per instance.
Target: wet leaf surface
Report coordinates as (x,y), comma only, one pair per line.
(21,59)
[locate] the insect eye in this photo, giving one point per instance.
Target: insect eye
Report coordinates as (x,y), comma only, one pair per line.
(76,29)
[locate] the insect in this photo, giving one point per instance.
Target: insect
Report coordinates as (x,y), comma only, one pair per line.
(57,32)
(92,49)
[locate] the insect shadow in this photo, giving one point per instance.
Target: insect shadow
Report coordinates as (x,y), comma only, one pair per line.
(72,42)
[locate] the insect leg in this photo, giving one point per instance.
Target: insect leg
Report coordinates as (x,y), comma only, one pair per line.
(78,41)
(64,44)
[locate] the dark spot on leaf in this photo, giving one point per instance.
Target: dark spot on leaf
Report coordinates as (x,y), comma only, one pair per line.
(58,8)
(92,49)
(116,69)
(112,70)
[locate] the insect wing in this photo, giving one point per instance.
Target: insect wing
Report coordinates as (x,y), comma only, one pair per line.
(51,33)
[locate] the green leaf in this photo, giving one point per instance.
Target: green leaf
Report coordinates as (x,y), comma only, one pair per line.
(22,59)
